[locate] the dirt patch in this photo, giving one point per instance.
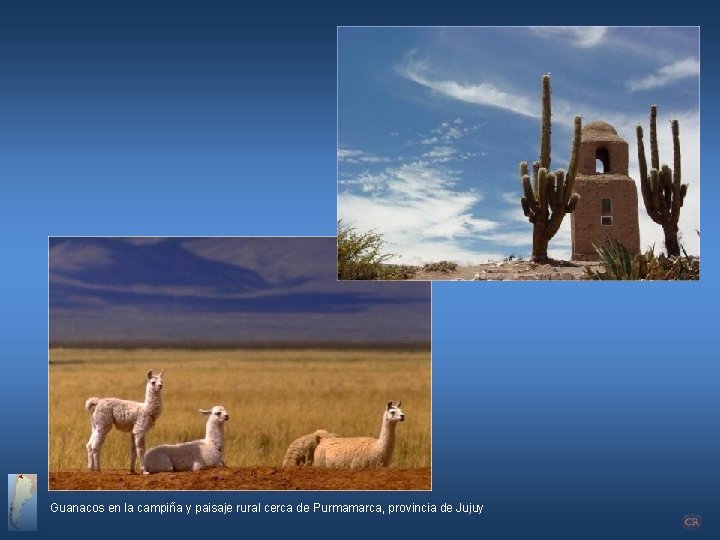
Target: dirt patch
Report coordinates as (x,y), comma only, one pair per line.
(511,271)
(248,478)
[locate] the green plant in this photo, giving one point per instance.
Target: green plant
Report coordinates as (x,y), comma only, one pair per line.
(360,254)
(618,264)
(398,271)
(441,266)
(662,190)
(549,196)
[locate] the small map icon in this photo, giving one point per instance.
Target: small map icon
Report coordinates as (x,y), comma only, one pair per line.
(22,502)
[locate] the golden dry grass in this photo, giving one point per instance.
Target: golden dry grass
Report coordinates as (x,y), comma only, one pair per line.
(272,396)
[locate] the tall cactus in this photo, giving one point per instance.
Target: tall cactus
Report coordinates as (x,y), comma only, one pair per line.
(662,190)
(550,195)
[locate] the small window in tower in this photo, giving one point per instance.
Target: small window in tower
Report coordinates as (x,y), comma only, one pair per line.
(606,220)
(607,206)
(602,161)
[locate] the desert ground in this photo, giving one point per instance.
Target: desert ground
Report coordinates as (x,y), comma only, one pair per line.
(249,478)
(272,397)
(515,270)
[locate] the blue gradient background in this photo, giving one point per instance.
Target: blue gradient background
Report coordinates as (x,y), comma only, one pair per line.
(569,410)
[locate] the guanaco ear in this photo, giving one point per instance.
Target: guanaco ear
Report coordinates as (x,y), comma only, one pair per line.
(204,411)
(149,375)
(399,403)
(389,405)
(160,374)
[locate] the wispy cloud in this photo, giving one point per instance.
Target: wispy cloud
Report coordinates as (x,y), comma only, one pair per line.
(510,197)
(358,156)
(441,153)
(418,205)
(480,94)
(578,36)
(485,94)
(687,67)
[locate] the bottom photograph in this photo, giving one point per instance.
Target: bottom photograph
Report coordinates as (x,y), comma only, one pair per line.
(233,364)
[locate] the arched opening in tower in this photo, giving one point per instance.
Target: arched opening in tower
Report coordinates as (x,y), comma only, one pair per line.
(602,160)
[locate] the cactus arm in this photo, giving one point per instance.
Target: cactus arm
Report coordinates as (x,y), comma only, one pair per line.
(528,191)
(676,151)
(666,197)
(647,194)
(542,188)
(574,157)
(679,189)
(641,153)
(536,170)
(646,182)
(529,213)
(559,189)
(667,186)
(655,188)
(654,155)
(550,190)
(574,198)
(523,168)
(545,126)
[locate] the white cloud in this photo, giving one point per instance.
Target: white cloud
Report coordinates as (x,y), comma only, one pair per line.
(440,154)
(480,94)
(448,133)
(688,67)
(578,36)
(430,140)
(511,238)
(510,197)
(358,156)
(484,94)
(418,209)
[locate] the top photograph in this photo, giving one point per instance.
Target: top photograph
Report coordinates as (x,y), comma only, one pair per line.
(518,153)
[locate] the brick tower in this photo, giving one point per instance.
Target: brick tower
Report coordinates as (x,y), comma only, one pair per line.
(608,204)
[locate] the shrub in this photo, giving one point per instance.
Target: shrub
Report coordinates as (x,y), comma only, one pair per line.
(441,266)
(617,264)
(398,271)
(360,253)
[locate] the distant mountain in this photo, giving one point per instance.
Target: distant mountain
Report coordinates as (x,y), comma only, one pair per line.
(222,289)
(116,262)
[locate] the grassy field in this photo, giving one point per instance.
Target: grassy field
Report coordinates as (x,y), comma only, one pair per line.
(272,396)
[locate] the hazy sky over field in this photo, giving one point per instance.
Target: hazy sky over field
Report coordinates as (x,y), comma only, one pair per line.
(432,123)
(226,289)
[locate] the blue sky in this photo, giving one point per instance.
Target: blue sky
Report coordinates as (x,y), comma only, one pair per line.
(223,289)
(432,123)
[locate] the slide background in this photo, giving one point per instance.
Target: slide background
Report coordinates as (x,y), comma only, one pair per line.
(570,410)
